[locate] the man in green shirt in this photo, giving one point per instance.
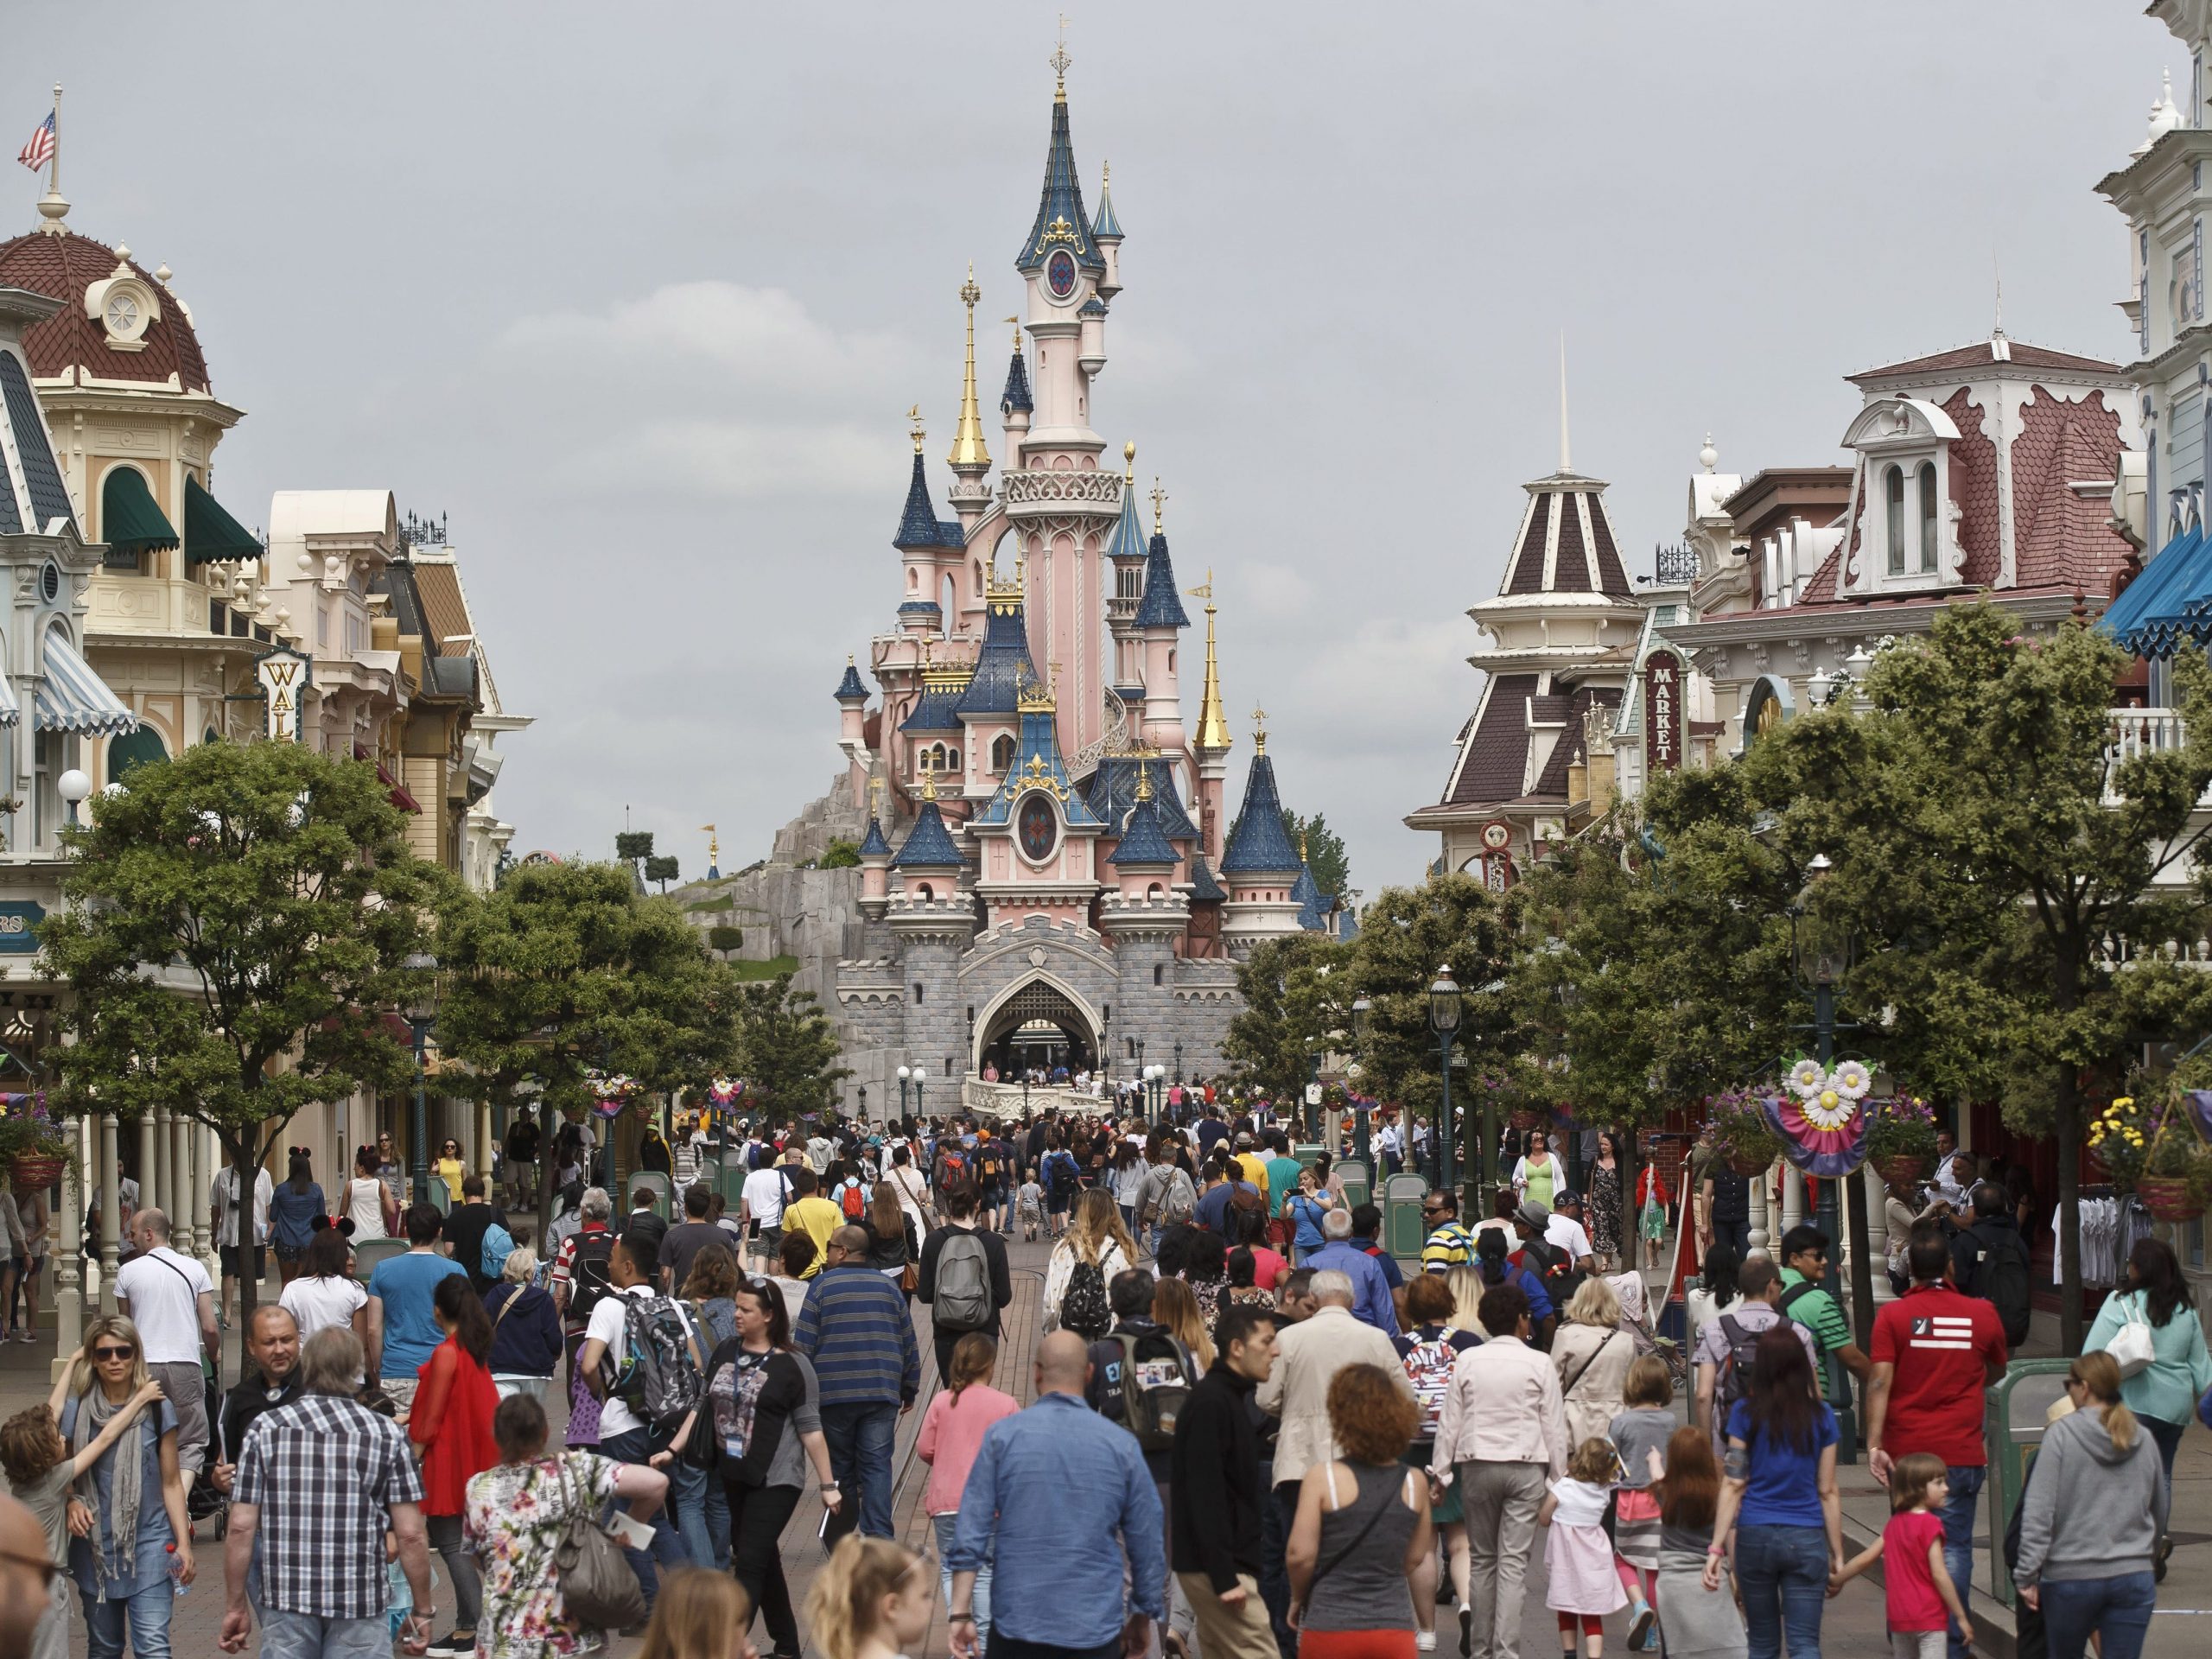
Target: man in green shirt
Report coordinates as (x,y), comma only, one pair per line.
(1282,1171)
(1804,1266)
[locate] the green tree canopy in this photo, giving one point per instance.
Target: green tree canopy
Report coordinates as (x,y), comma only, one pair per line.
(790,1049)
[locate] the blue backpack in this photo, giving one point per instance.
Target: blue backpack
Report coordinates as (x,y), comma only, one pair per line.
(498,1245)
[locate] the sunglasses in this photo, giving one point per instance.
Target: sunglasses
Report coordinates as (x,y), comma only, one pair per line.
(113,1353)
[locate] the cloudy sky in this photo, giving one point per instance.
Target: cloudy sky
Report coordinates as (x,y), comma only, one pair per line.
(638,297)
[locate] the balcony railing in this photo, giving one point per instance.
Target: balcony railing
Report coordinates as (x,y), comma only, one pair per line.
(2134,732)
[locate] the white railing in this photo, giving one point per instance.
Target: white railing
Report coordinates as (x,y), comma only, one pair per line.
(2134,732)
(1006,1100)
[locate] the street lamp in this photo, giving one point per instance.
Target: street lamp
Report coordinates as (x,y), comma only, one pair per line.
(1363,1025)
(1153,1074)
(1821,951)
(864,1095)
(1444,1009)
(1178,1062)
(422,1010)
(72,786)
(905,1072)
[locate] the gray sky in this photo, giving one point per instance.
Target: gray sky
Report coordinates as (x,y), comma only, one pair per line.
(638,296)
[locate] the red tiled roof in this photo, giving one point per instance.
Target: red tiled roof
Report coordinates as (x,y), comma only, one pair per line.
(1571,570)
(1973,487)
(1978,356)
(1526,575)
(1612,577)
(2057,535)
(1489,766)
(62,267)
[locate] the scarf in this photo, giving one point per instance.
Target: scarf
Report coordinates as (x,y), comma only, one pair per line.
(126,1462)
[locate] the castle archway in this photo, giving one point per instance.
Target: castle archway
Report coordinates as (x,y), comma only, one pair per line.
(1037,1026)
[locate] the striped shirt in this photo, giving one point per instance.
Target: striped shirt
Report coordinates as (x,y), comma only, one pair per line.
(1817,1310)
(856,1329)
(327,1474)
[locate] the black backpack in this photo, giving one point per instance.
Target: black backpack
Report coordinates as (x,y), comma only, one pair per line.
(1152,1384)
(590,1278)
(2000,1278)
(1736,1375)
(1556,1268)
(1083,1306)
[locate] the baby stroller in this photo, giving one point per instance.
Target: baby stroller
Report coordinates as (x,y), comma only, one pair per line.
(203,1502)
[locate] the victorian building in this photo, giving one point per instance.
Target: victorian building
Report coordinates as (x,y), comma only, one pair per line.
(1049,875)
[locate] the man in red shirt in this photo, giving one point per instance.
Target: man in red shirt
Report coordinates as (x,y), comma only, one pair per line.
(1935,1350)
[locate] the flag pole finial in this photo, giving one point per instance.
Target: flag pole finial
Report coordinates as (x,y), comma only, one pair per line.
(44,150)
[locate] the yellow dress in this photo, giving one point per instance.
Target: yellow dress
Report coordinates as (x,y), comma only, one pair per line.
(450,1172)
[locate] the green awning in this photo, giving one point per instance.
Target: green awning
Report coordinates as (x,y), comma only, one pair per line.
(210,533)
(130,522)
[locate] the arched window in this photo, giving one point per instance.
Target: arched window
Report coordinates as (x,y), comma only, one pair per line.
(1154,892)
(952,759)
(1928,518)
(1002,754)
(1893,488)
(926,896)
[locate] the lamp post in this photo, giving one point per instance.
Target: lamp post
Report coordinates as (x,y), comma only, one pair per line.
(422,1011)
(72,786)
(1153,1074)
(1820,949)
(1363,1024)
(905,1072)
(1179,1064)
(1444,1009)
(918,1107)
(864,1095)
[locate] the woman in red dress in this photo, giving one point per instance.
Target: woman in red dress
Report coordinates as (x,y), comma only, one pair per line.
(451,1427)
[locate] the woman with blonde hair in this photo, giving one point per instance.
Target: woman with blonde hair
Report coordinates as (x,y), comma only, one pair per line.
(1466,1284)
(1591,1354)
(871,1600)
(700,1614)
(139,1537)
(525,1328)
(2091,1521)
(1175,1305)
(1100,1246)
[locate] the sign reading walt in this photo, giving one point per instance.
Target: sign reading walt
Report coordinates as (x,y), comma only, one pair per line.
(282,676)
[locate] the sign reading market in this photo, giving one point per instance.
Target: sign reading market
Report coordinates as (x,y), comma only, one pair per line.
(1662,710)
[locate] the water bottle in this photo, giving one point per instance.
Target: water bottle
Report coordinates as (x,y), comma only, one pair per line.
(177,1586)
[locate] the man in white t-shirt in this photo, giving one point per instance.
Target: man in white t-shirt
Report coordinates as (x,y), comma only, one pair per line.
(623,1435)
(911,1189)
(172,1301)
(223,1208)
(761,1208)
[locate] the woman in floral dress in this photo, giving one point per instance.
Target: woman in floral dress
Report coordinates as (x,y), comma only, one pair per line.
(517,1511)
(1605,1204)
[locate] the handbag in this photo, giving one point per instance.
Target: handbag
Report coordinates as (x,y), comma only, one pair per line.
(2131,1346)
(597,1588)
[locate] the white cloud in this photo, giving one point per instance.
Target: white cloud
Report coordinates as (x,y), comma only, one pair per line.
(746,460)
(1276,593)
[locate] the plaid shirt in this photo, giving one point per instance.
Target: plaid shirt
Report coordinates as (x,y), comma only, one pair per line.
(326,1473)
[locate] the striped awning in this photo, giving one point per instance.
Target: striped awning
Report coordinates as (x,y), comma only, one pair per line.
(10,711)
(2166,603)
(71,698)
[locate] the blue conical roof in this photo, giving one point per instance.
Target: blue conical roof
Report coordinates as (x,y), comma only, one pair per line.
(919,525)
(1161,607)
(850,686)
(1002,666)
(1127,539)
(929,844)
(937,709)
(1105,224)
(1205,890)
(1038,764)
(1112,790)
(1259,842)
(875,846)
(1313,905)
(1017,386)
(1142,844)
(1061,222)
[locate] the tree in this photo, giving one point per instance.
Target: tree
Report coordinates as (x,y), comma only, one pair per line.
(789,1048)
(565,971)
(663,868)
(240,919)
(1294,1009)
(1325,852)
(839,855)
(631,845)
(725,938)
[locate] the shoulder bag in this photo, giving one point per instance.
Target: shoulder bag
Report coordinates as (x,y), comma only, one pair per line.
(2132,1347)
(598,1588)
(1595,1355)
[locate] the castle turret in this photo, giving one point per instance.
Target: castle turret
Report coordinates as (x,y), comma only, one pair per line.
(1106,232)
(1212,749)
(1015,403)
(924,542)
(875,861)
(1160,618)
(989,708)
(1125,551)
(852,703)
(971,459)
(1260,866)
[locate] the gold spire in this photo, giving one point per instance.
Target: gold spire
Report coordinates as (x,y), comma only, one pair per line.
(1213,724)
(914,415)
(1301,846)
(1129,463)
(1259,731)
(1159,500)
(1144,782)
(714,844)
(968,454)
(929,781)
(1059,61)
(1016,321)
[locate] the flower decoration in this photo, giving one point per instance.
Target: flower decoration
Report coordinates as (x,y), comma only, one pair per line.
(1852,1080)
(1807,1079)
(722,1090)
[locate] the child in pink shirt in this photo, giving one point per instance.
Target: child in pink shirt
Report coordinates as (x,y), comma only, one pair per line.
(952,1433)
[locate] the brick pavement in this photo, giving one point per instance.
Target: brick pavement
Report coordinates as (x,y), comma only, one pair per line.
(1853,1624)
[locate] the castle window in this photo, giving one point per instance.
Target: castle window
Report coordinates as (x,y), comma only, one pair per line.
(952,759)
(1159,973)
(1928,515)
(1002,754)
(917,983)
(1153,892)
(1893,491)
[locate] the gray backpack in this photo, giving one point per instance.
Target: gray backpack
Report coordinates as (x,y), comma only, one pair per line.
(962,1300)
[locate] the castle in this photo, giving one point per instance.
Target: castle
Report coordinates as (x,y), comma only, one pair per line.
(1047,877)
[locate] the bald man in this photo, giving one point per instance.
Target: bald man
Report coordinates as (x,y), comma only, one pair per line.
(1056,1472)
(26,1570)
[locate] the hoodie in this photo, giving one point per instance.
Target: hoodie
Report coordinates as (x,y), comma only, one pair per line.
(2113,1503)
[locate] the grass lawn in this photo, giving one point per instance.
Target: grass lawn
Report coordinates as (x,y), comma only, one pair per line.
(767,969)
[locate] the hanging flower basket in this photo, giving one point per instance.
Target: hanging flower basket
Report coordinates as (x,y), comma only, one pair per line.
(1902,1170)
(1749,1169)
(1525,1120)
(2169,1197)
(35,1172)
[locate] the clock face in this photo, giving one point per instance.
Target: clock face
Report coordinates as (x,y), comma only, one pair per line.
(122,316)
(1059,274)
(1037,827)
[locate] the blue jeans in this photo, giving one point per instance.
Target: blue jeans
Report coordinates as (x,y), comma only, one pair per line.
(702,1513)
(2119,1609)
(635,1445)
(303,1636)
(149,1609)
(979,1601)
(860,1439)
(1783,1572)
(1958,1540)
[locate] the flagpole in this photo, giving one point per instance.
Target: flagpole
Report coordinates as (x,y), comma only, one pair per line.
(54,161)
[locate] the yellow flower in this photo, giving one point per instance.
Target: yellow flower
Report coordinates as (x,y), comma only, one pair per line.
(2123,1102)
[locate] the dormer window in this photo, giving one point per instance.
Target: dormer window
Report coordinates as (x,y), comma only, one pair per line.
(1927,520)
(1907,532)
(1893,492)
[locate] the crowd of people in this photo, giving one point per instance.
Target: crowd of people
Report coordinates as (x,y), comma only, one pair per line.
(1255,1432)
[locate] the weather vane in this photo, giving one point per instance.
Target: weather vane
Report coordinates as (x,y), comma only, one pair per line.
(969,292)
(1059,59)
(915,416)
(1158,500)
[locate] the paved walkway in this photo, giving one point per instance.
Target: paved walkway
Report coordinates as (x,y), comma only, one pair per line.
(1852,1624)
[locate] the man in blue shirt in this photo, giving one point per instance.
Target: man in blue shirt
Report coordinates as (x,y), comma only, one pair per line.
(1214,1203)
(403,1328)
(1055,1472)
(1371,1303)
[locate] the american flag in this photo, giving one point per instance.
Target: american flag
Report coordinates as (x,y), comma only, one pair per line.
(1941,1331)
(37,153)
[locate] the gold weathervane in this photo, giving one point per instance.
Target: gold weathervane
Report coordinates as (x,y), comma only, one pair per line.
(1159,501)
(1259,731)
(914,416)
(1059,59)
